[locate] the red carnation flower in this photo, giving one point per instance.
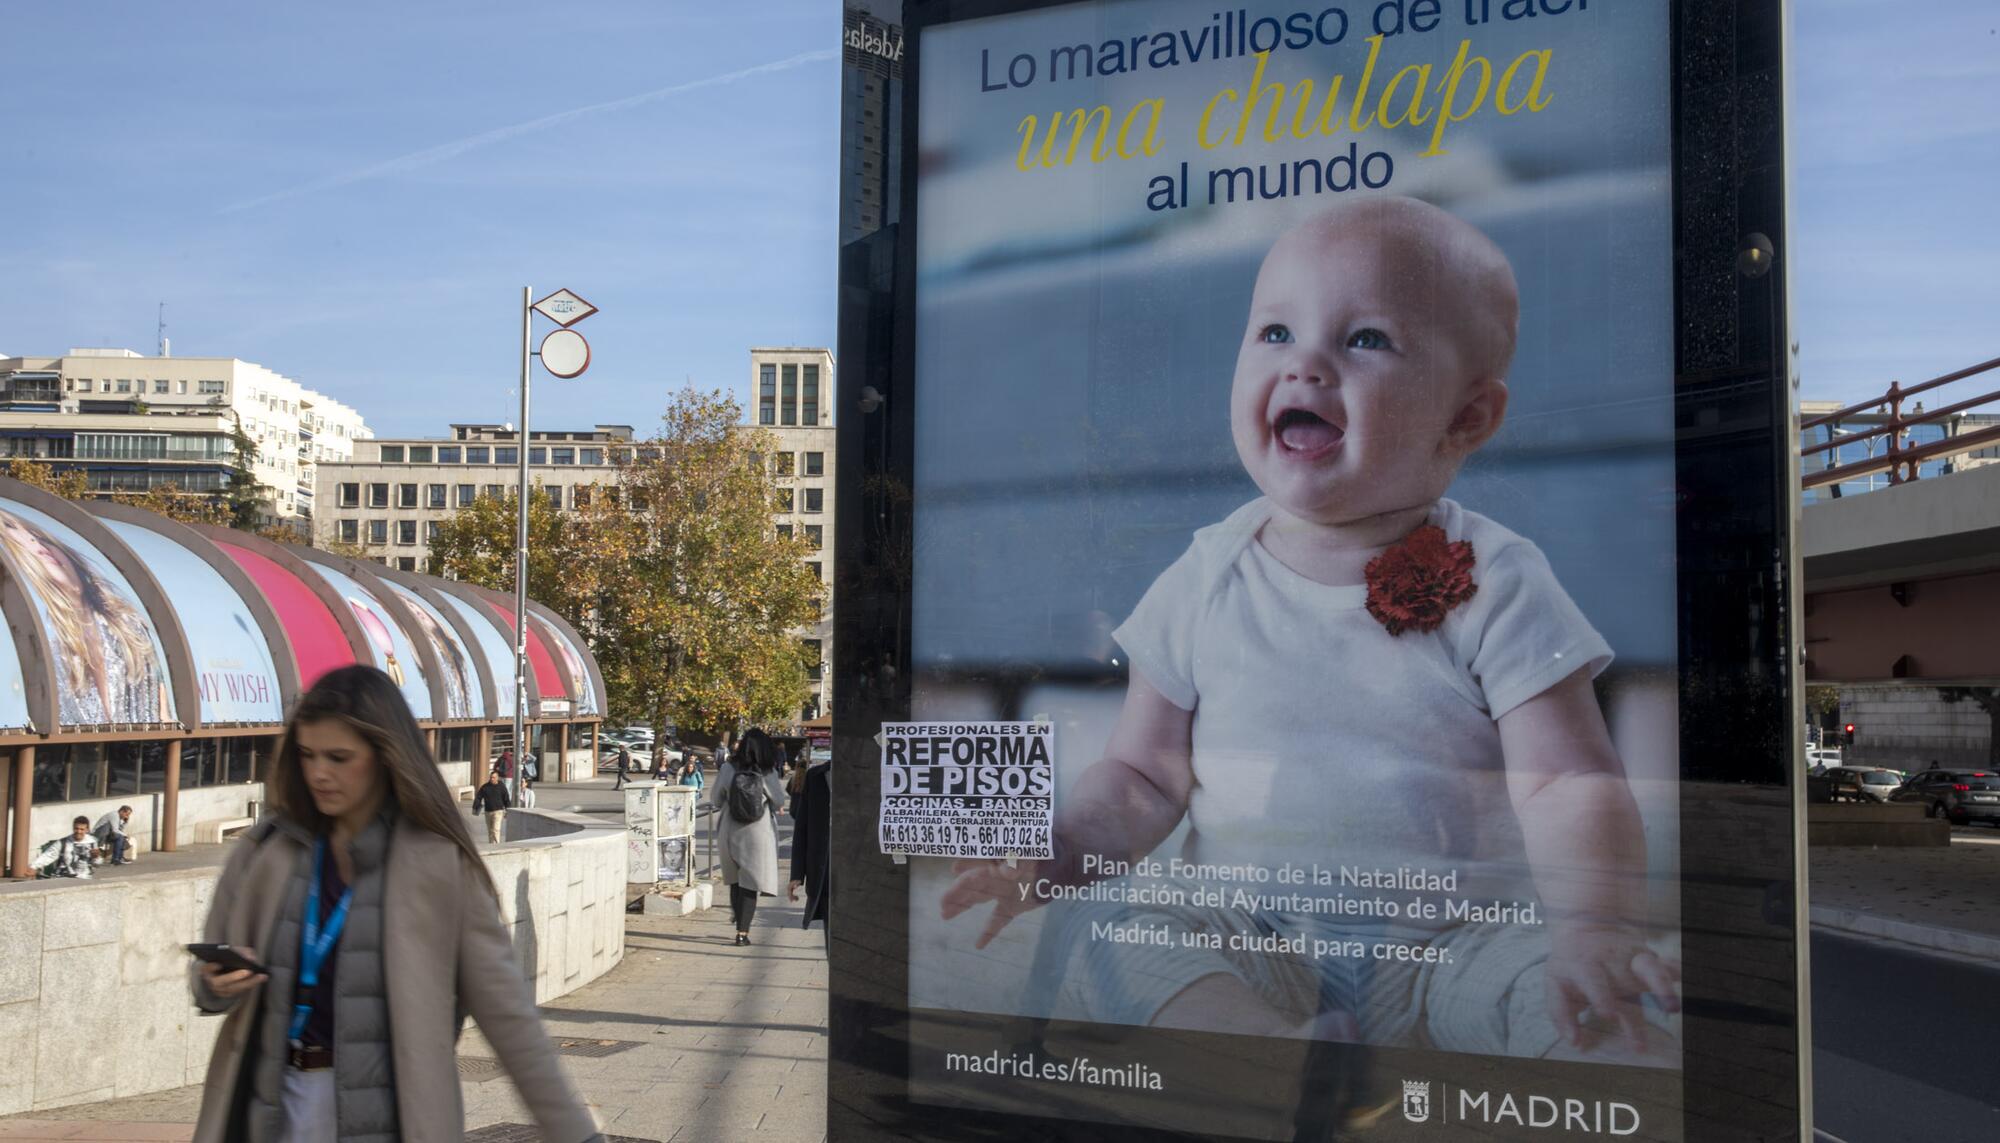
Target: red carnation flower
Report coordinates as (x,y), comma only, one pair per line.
(1412,586)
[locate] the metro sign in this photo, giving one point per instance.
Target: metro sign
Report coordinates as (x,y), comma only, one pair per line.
(564,308)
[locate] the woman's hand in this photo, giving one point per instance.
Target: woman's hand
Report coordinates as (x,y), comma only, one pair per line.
(230,984)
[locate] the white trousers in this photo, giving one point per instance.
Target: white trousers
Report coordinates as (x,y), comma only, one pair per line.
(309,1106)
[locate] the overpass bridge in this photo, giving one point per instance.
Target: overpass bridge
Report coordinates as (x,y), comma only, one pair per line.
(1902,583)
(1902,578)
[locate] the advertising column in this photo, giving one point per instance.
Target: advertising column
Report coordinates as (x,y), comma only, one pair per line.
(1297,579)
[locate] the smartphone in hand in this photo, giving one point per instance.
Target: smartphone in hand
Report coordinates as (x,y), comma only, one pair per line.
(228,958)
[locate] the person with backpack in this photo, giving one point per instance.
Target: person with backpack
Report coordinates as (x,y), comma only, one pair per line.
(747,796)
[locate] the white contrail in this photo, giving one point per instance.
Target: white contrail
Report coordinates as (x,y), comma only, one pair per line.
(443,151)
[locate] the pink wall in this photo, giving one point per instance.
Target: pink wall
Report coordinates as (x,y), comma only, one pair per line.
(1950,629)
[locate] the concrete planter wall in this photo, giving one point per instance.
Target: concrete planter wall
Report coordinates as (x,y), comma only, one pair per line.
(93,980)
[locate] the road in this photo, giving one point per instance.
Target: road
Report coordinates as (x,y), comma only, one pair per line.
(1906,1043)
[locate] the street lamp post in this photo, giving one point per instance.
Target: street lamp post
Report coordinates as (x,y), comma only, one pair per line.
(564,354)
(521,564)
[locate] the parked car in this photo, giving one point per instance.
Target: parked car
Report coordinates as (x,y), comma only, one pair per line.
(1820,759)
(1958,796)
(1862,783)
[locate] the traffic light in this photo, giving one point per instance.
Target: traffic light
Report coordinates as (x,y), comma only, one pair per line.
(1848,734)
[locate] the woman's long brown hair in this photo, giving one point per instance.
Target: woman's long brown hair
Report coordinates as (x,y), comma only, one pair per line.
(368,701)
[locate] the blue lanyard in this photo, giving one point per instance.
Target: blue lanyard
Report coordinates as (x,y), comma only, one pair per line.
(317,944)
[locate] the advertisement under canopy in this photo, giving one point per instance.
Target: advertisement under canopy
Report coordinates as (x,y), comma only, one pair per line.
(461,679)
(233,664)
(13,694)
(494,645)
(318,643)
(576,675)
(387,640)
(110,667)
(1297,455)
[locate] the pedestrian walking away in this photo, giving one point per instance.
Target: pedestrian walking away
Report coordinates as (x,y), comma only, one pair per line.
(747,796)
(375,929)
(493,801)
(624,767)
(811,850)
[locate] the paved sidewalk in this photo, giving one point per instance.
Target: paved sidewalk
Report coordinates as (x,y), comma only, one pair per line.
(1943,898)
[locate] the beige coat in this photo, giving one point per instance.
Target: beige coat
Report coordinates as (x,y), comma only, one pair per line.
(444,953)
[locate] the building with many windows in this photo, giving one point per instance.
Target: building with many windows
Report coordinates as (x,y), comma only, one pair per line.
(390,499)
(792,400)
(131,422)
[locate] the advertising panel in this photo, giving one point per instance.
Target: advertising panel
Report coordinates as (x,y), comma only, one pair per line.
(318,643)
(233,664)
(497,647)
(110,666)
(13,692)
(461,679)
(386,640)
(575,675)
(1296,426)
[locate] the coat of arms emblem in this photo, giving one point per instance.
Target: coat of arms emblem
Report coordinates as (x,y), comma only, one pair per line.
(1417,1101)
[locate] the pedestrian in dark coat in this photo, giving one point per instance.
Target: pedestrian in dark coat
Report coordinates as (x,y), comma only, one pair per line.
(811,848)
(624,767)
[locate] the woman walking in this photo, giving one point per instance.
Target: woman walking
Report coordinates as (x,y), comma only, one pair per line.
(378,926)
(748,794)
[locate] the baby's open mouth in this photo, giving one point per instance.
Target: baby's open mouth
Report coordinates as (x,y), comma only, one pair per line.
(1299,430)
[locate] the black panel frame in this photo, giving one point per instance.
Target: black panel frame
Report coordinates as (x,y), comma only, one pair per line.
(1747,1051)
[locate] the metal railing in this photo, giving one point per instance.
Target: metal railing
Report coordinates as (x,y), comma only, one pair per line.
(1898,458)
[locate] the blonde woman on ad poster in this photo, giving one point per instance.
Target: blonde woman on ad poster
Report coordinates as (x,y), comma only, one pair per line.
(109,667)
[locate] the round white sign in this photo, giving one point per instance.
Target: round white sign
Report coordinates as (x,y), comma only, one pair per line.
(565,353)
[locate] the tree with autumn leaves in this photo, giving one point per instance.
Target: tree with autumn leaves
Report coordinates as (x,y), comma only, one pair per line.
(689,598)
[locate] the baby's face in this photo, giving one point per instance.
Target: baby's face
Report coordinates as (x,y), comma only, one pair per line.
(1350,375)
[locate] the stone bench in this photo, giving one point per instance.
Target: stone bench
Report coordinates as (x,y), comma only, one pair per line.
(216,832)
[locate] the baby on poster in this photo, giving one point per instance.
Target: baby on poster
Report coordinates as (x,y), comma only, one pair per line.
(1352,669)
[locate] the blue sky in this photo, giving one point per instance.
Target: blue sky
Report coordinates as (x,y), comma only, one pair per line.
(216,156)
(353,194)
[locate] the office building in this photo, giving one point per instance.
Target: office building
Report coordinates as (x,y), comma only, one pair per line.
(390,499)
(792,400)
(131,422)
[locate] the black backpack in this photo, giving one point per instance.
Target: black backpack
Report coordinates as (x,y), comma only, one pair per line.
(746,797)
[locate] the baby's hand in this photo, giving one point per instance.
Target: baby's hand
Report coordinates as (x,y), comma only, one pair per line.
(1606,968)
(1010,888)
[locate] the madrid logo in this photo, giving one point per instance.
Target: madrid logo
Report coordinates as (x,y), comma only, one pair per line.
(1417,1101)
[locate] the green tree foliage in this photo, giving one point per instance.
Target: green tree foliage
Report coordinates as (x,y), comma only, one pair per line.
(476,544)
(699,622)
(688,597)
(70,484)
(246,496)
